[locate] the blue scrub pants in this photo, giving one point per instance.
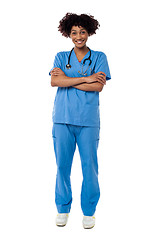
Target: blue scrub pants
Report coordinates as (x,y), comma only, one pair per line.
(65,138)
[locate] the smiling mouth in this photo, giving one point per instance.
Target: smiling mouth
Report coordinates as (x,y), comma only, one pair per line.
(79,42)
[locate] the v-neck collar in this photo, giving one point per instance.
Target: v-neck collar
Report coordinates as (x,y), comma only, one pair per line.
(81,62)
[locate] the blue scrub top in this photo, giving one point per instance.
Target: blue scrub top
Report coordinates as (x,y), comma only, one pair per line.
(74,106)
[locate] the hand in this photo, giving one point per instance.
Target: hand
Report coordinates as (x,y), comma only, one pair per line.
(56,72)
(97,77)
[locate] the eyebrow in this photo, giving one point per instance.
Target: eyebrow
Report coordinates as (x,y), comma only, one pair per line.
(76,30)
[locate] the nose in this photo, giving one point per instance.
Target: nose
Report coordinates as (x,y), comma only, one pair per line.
(78,36)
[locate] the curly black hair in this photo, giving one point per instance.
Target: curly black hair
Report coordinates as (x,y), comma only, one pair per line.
(83,20)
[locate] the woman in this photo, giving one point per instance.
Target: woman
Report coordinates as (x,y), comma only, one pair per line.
(80,75)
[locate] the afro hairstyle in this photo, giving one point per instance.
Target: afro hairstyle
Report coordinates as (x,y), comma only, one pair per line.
(70,19)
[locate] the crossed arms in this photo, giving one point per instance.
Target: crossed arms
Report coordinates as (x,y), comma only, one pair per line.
(95,82)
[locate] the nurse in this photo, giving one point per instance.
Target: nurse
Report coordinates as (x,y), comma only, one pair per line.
(79,74)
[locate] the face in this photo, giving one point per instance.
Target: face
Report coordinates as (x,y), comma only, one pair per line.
(79,36)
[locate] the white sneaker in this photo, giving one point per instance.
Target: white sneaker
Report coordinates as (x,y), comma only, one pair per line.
(61,219)
(88,221)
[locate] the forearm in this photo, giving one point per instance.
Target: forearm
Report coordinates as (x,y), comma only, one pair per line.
(95,86)
(94,82)
(64,81)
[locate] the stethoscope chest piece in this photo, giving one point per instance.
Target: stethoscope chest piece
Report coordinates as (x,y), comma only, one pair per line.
(68,66)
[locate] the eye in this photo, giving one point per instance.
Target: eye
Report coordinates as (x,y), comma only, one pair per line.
(83,32)
(73,33)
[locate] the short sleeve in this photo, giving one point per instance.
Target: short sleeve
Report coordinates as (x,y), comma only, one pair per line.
(102,65)
(57,62)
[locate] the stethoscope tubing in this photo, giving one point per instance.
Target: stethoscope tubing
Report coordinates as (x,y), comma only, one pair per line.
(68,66)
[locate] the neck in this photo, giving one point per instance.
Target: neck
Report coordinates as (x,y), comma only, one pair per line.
(84,49)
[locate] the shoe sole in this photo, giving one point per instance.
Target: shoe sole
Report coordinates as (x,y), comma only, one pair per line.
(88,227)
(60,225)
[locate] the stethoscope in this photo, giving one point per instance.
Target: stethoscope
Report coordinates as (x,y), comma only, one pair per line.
(68,66)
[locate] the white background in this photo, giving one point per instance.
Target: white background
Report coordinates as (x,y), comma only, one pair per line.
(129,157)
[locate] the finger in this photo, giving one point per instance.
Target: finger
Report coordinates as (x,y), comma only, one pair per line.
(54,74)
(102,73)
(102,76)
(53,71)
(99,81)
(103,82)
(56,68)
(102,79)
